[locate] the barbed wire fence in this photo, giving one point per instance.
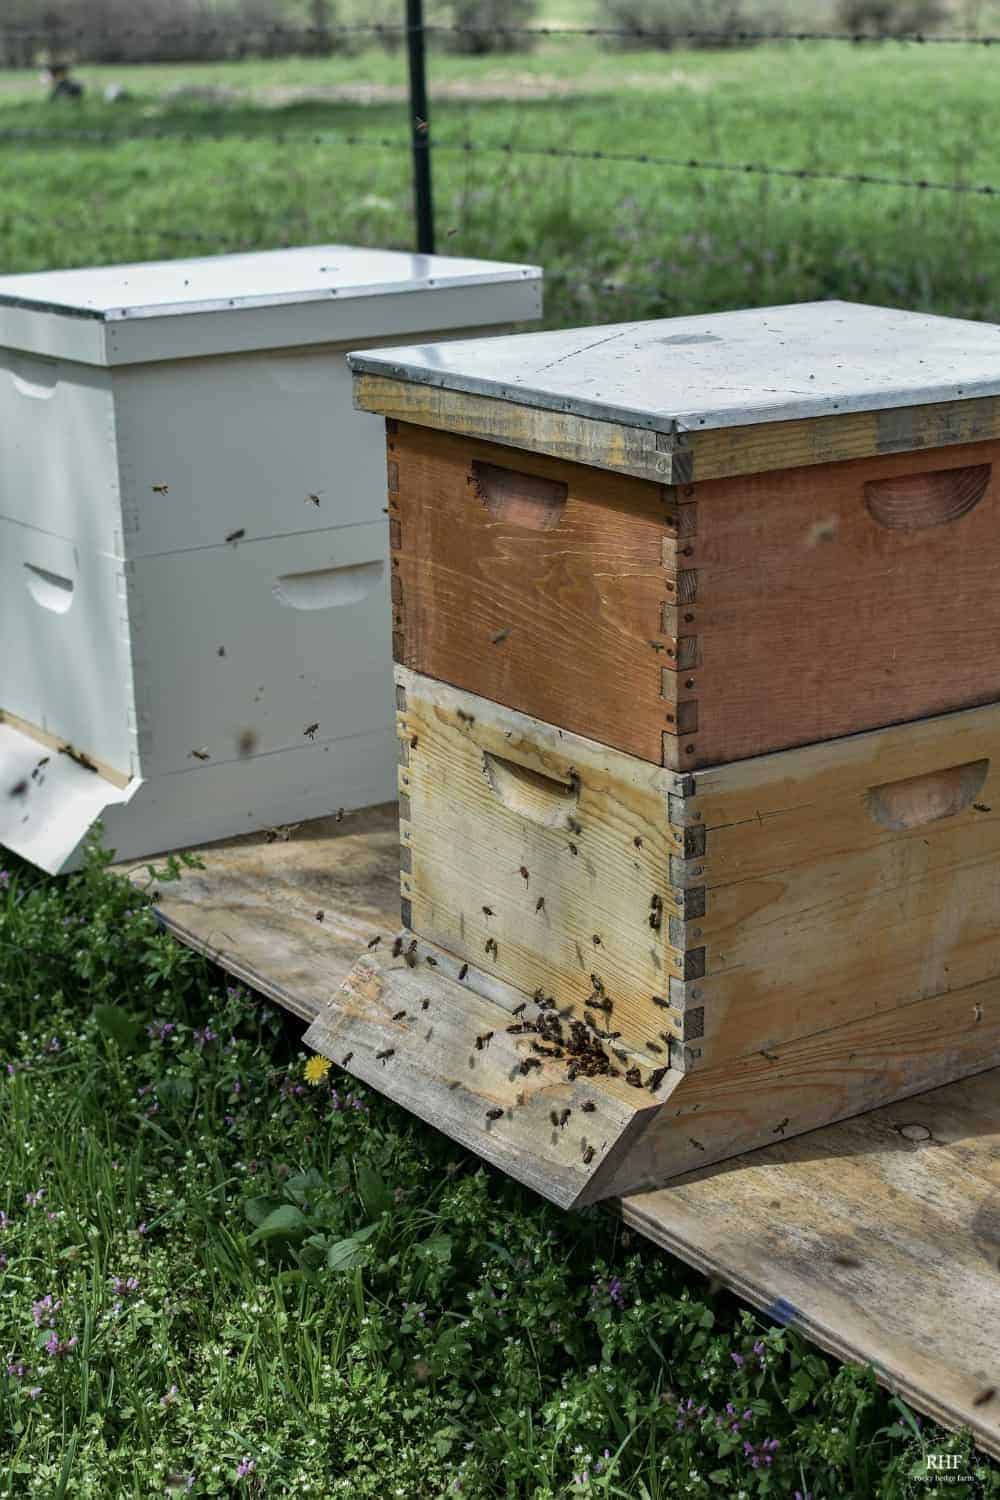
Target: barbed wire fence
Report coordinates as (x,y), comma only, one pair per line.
(252,40)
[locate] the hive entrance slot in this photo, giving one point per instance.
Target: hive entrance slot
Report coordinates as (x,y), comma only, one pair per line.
(926,799)
(548,800)
(519,499)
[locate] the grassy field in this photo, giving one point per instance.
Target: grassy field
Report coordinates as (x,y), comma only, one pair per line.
(219,1279)
(267,164)
(215,1278)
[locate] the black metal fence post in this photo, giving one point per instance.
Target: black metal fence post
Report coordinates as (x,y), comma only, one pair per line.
(420,126)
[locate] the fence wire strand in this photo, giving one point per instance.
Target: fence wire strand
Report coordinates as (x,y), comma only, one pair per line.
(511,149)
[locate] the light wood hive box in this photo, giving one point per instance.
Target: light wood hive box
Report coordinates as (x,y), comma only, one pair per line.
(699,747)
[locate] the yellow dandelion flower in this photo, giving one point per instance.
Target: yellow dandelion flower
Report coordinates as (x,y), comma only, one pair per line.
(317,1068)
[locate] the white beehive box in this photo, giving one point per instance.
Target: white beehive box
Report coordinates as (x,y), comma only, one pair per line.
(193,551)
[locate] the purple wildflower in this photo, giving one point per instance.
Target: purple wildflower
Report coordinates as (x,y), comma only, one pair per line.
(800,1496)
(687,1412)
(18,1369)
(603,1462)
(59,1348)
(53,1044)
(143,1228)
(160,1030)
(45,1311)
(4,879)
(758,1349)
(124,1286)
(244,1467)
(205,1036)
(3,1261)
(35,1392)
(35,1198)
(615,1294)
(169,1398)
(737,1360)
(229,1119)
(761,1454)
(4,1220)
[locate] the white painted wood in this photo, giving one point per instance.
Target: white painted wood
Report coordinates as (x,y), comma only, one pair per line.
(226,413)
(65,662)
(58,464)
(309,651)
(250,439)
(49,824)
(268,299)
(733,369)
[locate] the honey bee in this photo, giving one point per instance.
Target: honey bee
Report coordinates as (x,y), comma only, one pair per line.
(656,1078)
(563,1117)
(374,942)
(221,651)
(463,971)
(247,742)
(596,940)
(588,1107)
(545,1051)
(779,1129)
(484,1040)
(425,1005)
(313,500)
(659,1000)
(347,1058)
(494,1114)
(540,903)
(588,1155)
(20,788)
(237,535)
(339,814)
(529,1063)
(573,849)
(524,874)
(310,731)
(520,1009)
(397,947)
(491,947)
(319,916)
(400,1015)
(487,911)
(160,489)
(384,1055)
(414,741)
(410,958)
(634,1077)
(501,635)
(201,754)
(429,958)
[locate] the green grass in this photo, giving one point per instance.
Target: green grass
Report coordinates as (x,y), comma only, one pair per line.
(244,1267)
(618,239)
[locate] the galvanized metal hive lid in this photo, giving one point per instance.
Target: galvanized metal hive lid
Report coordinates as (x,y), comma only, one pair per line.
(733,369)
(48,311)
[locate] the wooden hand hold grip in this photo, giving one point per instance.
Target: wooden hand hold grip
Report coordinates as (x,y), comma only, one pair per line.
(541,799)
(519,499)
(925,799)
(913,502)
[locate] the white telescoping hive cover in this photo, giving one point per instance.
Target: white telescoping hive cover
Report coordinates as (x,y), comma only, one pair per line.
(220,304)
(731,369)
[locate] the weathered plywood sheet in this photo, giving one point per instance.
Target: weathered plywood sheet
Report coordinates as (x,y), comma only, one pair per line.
(879,1238)
(255,906)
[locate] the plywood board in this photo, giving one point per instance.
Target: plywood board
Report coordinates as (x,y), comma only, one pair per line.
(288,911)
(878,1238)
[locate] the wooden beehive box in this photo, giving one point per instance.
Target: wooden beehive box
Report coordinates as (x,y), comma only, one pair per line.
(698,837)
(701,539)
(193,570)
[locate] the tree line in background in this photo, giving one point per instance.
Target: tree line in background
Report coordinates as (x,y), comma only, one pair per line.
(124,31)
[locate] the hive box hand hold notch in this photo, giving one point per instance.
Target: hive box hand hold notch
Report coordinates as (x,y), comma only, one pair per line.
(193,556)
